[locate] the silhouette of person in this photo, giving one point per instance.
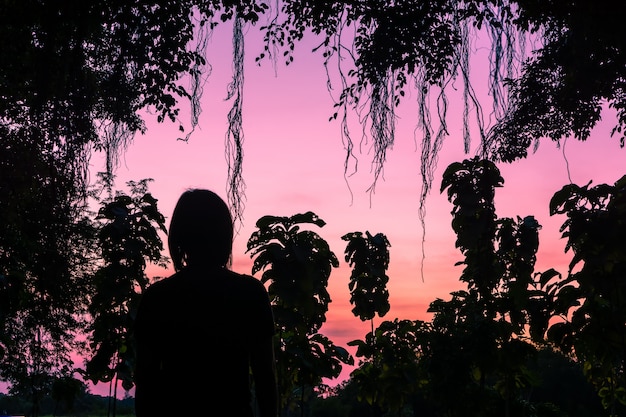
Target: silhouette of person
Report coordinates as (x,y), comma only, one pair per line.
(204,334)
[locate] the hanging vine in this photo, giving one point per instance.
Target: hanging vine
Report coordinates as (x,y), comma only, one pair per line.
(235,136)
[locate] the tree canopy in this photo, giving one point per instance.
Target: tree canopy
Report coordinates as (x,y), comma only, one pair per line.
(77,76)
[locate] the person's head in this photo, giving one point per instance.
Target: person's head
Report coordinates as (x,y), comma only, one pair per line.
(201,230)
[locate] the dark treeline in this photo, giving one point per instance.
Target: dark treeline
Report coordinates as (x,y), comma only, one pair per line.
(85,404)
(561,391)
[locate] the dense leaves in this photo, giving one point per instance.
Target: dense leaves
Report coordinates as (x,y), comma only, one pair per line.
(389,374)
(82,74)
(369,258)
(46,255)
(128,239)
(384,49)
(471,185)
(562,88)
(591,300)
(475,352)
(297,264)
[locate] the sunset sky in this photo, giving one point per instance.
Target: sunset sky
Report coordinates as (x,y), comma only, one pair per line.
(293,163)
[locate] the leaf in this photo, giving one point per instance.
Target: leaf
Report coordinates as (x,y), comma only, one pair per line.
(561,197)
(266,221)
(546,276)
(308,217)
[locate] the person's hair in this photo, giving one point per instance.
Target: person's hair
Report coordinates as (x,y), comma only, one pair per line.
(201,230)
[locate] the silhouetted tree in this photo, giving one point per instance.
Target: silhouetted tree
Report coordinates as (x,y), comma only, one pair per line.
(591,300)
(128,239)
(369,258)
(389,375)
(297,264)
(475,356)
(65,392)
(46,257)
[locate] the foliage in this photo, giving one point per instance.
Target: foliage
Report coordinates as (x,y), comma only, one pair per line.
(65,391)
(591,300)
(61,291)
(297,264)
(500,254)
(79,75)
(563,86)
(382,49)
(369,258)
(471,187)
(85,404)
(561,390)
(476,350)
(474,353)
(389,376)
(86,77)
(46,256)
(128,238)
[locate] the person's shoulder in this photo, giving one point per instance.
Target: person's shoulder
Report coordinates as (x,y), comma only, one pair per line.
(244,282)
(162,284)
(155,294)
(243,278)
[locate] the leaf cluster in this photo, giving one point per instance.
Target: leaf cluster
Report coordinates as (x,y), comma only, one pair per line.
(591,298)
(389,374)
(369,258)
(563,86)
(128,239)
(297,264)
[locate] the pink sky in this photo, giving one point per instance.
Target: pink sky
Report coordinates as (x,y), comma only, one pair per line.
(294,163)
